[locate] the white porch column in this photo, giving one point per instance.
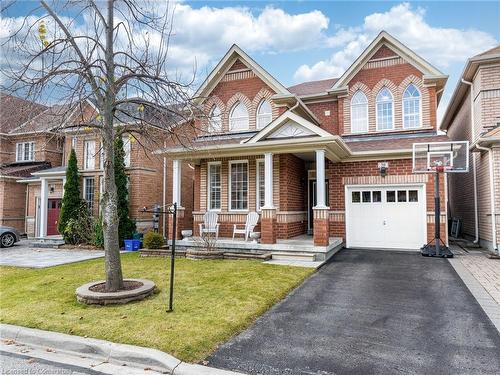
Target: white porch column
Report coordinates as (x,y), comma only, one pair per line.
(320,179)
(44,201)
(268,180)
(176,180)
(64,184)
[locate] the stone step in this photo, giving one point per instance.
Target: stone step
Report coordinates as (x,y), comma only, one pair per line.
(47,243)
(282,255)
(229,255)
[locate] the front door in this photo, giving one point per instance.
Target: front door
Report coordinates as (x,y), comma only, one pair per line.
(53,209)
(312,201)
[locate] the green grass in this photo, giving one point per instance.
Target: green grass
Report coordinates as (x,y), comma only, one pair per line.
(213,300)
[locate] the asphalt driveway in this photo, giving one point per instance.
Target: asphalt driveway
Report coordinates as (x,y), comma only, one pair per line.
(370,312)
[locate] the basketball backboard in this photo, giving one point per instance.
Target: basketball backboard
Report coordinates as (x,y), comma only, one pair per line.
(450,157)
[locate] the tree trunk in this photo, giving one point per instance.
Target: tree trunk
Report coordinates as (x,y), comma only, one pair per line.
(110,220)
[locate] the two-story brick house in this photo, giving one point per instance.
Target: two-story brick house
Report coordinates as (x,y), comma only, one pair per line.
(474,115)
(330,158)
(43,188)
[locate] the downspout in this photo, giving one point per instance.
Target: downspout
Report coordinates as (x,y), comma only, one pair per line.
(164,193)
(492,195)
(474,167)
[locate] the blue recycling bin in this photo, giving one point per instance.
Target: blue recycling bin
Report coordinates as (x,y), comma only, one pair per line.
(129,245)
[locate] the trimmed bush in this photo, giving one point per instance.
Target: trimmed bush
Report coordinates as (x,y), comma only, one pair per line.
(98,235)
(79,230)
(153,240)
(71,201)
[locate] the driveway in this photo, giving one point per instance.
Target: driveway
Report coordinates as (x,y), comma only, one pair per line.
(370,312)
(23,255)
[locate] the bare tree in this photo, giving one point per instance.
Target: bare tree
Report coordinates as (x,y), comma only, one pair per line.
(118,61)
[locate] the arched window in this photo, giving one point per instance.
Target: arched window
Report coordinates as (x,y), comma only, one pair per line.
(411,107)
(238,118)
(264,114)
(385,110)
(359,112)
(215,120)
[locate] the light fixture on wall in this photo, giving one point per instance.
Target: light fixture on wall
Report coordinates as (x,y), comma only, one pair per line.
(383,167)
(51,188)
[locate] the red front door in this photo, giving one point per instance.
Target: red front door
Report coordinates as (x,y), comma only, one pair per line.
(54,207)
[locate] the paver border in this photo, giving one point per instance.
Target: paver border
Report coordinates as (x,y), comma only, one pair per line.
(487,303)
(134,356)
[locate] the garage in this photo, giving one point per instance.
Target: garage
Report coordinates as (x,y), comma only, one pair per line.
(391,217)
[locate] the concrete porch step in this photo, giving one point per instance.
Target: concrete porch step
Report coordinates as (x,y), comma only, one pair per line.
(284,255)
(50,243)
(229,255)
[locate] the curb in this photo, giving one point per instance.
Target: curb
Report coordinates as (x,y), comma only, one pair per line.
(133,356)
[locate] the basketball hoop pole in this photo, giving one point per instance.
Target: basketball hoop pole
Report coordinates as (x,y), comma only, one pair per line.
(437,214)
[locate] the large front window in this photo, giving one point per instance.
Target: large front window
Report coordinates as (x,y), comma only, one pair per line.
(89,155)
(359,113)
(238,119)
(238,185)
(25,151)
(214,186)
(88,192)
(261,192)
(385,109)
(411,107)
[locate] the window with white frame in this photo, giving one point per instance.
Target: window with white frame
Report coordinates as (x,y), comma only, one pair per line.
(359,112)
(215,120)
(261,189)
(385,109)
(238,118)
(101,156)
(74,142)
(214,186)
(411,107)
(88,192)
(238,185)
(264,114)
(25,151)
(126,150)
(89,155)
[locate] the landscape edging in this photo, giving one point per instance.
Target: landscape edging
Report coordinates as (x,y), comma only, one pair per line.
(109,351)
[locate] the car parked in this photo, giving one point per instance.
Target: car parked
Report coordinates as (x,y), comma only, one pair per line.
(9,236)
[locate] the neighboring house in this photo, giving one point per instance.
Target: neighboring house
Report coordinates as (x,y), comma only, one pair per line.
(309,157)
(474,114)
(44,188)
(23,150)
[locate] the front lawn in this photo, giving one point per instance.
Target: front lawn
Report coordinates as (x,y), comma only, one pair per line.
(213,300)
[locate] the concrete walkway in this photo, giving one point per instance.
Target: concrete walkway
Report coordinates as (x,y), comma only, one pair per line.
(24,255)
(370,312)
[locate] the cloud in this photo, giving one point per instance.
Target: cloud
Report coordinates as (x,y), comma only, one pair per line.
(440,46)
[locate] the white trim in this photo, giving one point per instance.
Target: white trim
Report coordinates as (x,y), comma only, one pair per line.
(388,40)
(31,151)
(392,110)
(225,64)
(231,118)
(420,120)
(258,115)
(88,164)
(367,127)
(283,119)
(257,182)
(176,182)
(209,186)
(229,203)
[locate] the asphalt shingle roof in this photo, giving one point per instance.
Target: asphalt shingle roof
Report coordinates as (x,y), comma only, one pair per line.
(15,111)
(312,87)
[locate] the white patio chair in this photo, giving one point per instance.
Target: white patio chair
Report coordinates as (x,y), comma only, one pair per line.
(248,227)
(210,224)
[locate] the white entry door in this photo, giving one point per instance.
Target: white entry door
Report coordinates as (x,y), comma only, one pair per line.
(391,217)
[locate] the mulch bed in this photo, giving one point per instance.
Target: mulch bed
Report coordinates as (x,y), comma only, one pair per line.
(127,285)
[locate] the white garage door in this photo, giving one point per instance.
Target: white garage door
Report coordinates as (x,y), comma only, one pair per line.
(386,216)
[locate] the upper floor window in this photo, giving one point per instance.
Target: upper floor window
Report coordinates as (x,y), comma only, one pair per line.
(359,112)
(215,120)
(126,150)
(385,110)
(25,151)
(411,107)
(264,114)
(89,155)
(74,142)
(238,118)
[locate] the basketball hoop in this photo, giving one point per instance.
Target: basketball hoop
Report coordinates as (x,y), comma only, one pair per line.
(439,157)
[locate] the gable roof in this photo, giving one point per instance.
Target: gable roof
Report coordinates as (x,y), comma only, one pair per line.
(491,56)
(310,129)
(384,38)
(312,87)
(14,111)
(225,64)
